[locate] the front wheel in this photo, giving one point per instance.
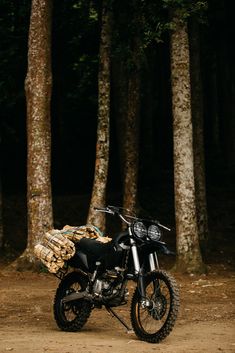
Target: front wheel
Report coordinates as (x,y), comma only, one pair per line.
(154,316)
(71,316)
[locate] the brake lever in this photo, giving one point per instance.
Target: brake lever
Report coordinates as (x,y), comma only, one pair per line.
(164,227)
(103,209)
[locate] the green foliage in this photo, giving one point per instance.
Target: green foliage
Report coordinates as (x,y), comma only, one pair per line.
(75,48)
(187,8)
(137,24)
(147,22)
(13,31)
(14,20)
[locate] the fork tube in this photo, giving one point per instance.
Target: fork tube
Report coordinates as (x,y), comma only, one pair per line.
(135,256)
(156,259)
(152,264)
(138,271)
(153,261)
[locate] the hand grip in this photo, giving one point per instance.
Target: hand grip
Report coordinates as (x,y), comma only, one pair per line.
(101,209)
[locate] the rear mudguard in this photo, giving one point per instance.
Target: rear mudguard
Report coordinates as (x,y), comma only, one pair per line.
(79,260)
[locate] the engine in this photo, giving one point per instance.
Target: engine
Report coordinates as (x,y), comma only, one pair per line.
(110,288)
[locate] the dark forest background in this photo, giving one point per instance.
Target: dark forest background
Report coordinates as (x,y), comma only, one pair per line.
(75,46)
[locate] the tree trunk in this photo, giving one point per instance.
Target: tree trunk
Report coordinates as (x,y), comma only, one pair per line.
(188,251)
(120,100)
(147,121)
(212,99)
(131,162)
(132,144)
(226,102)
(1,219)
(198,132)
(38,86)
(102,146)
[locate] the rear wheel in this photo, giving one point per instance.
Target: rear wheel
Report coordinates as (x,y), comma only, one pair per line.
(71,316)
(154,316)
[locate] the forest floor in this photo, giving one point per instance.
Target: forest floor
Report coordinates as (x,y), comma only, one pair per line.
(206,322)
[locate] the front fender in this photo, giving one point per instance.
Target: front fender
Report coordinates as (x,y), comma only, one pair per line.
(163,249)
(159,246)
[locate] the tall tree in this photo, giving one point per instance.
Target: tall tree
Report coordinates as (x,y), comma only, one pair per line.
(119,108)
(1,219)
(226,79)
(131,158)
(188,251)
(198,131)
(102,145)
(131,147)
(38,85)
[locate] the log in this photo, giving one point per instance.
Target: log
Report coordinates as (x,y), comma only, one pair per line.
(53,267)
(44,253)
(57,239)
(104,239)
(77,233)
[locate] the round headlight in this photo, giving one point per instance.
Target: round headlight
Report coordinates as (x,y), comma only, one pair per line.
(154,233)
(140,230)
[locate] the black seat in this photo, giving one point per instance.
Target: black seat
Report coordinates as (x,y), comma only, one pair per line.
(107,253)
(93,247)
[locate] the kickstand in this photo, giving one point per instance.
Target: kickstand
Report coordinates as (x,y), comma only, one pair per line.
(113,314)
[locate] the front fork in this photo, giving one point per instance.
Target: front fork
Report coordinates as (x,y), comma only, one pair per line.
(153,261)
(139,271)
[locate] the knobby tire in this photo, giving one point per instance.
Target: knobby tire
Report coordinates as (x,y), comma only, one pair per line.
(81,308)
(169,308)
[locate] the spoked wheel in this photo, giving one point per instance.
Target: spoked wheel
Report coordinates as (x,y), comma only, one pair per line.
(71,316)
(154,316)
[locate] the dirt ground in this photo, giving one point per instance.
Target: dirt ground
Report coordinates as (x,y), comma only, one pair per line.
(206,321)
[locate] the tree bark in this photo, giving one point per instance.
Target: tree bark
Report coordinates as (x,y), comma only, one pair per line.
(1,219)
(131,161)
(198,132)
(226,102)
(132,144)
(102,146)
(147,122)
(38,85)
(188,251)
(120,107)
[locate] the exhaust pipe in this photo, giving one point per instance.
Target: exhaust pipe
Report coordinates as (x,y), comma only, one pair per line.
(76,296)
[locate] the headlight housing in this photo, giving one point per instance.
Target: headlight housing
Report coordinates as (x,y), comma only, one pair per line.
(140,230)
(154,232)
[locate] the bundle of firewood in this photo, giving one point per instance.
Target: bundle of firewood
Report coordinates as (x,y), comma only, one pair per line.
(54,249)
(88,231)
(57,246)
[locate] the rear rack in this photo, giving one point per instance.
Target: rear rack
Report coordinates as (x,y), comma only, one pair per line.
(61,273)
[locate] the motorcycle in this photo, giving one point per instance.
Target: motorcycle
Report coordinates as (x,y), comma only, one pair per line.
(101,272)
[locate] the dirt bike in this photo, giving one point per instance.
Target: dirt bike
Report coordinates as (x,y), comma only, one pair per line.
(101,273)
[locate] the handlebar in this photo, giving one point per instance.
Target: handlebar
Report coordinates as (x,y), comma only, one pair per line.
(128,219)
(101,209)
(113,210)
